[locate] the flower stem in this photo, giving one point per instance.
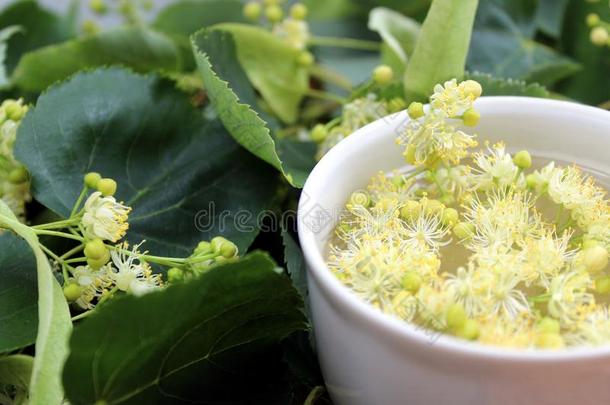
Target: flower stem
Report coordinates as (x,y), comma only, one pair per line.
(58,234)
(79,200)
(325,96)
(350,43)
(65,223)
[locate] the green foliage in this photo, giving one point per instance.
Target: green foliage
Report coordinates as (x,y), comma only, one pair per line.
(5,35)
(185,17)
(141,49)
(493,86)
(181,172)
(16,371)
(18,293)
(442,47)
(214,339)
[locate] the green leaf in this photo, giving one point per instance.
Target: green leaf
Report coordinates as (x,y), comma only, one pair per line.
(39,28)
(440,52)
(54,323)
(295,264)
(272,67)
(399,34)
(182,174)
(18,293)
(187,16)
(234,99)
(141,49)
(5,35)
(493,86)
(16,370)
(209,340)
(550,16)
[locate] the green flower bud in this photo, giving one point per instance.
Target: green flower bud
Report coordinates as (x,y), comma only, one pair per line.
(471,117)
(18,175)
(72,292)
(305,59)
(411,282)
(455,316)
(410,211)
(549,341)
(473,88)
(91,179)
(592,20)
(602,285)
(175,275)
(383,74)
(95,249)
(252,10)
(396,104)
(224,247)
(274,13)
(398,180)
(523,159)
(548,325)
(415,110)
(318,133)
(90,27)
(409,155)
(469,330)
(298,11)
(464,230)
(106,186)
(97,264)
(360,198)
(98,6)
(599,36)
(595,259)
(447,199)
(450,216)
(531,181)
(14,110)
(589,243)
(433,207)
(203,247)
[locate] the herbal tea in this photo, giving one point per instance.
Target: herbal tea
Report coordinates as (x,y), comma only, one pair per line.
(500,248)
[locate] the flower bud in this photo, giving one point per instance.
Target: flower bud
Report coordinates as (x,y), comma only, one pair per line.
(589,243)
(298,11)
(252,10)
(450,216)
(523,159)
(415,110)
(360,198)
(319,133)
(396,104)
(411,282)
(592,20)
(469,330)
(91,179)
(455,316)
(72,292)
(274,13)
(383,74)
(595,259)
(97,264)
(599,36)
(203,247)
(473,88)
(410,211)
(305,59)
(464,230)
(548,325)
(106,186)
(175,275)
(471,117)
(224,247)
(433,207)
(14,110)
(98,6)
(549,341)
(95,249)
(531,181)
(447,199)
(602,285)
(18,175)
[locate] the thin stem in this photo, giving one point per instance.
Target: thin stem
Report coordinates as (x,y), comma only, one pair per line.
(350,43)
(64,269)
(79,200)
(330,76)
(76,260)
(58,234)
(65,223)
(326,96)
(72,251)
(82,315)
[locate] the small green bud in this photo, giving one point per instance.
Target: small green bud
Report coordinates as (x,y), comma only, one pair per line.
(464,230)
(548,325)
(523,159)
(318,133)
(589,243)
(595,259)
(469,330)
(473,88)
(360,198)
(252,10)
(298,11)
(471,117)
(175,275)
(549,341)
(98,6)
(410,210)
(383,74)
(72,292)
(90,27)
(224,247)
(203,247)
(602,285)
(14,110)
(274,13)
(91,179)
(433,207)
(450,217)
(531,181)
(397,104)
(18,175)
(415,110)
(305,59)
(599,36)
(398,180)
(97,264)
(411,282)
(447,199)
(409,154)
(592,20)
(95,249)
(106,186)
(455,316)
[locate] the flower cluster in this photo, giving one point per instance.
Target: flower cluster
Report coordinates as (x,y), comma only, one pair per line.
(600,29)
(477,243)
(14,179)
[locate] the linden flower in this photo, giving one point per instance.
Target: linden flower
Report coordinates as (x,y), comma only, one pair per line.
(569,299)
(495,170)
(545,256)
(294,32)
(594,330)
(105,218)
(94,284)
(130,273)
(453,98)
(517,332)
(426,231)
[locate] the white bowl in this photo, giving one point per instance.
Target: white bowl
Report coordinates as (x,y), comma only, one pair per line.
(373,359)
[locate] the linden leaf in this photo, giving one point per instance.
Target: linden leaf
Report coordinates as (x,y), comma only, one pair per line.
(5,35)
(209,340)
(493,86)
(181,172)
(141,49)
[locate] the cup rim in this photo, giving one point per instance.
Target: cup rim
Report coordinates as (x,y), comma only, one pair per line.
(400,331)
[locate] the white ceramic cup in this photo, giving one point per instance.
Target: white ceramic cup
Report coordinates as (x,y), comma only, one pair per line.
(373,359)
